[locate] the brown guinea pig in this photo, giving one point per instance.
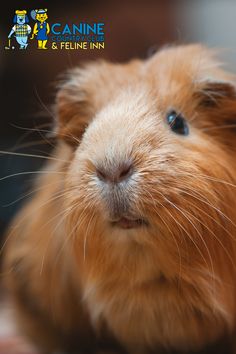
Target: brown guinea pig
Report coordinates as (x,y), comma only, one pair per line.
(130,236)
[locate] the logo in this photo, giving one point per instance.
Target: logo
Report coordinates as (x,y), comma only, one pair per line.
(33,27)
(21,30)
(41,27)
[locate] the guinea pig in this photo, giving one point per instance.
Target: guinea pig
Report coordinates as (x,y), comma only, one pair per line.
(129,238)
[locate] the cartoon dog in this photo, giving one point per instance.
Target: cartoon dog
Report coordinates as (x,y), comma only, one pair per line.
(21,28)
(41,27)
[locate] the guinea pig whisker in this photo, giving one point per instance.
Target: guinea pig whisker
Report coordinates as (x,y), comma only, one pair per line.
(31,155)
(188,235)
(30,144)
(28,132)
(208,177)
(196,193)
(32,191)
(64,214)
(31,172)
(170,231)
(186,232)
(67,212)
(208,215)
(212,206)
(205,201)
(27,215)
(209,192)
(209,196)
(43,105)
(86,235)
(70,136)
(213,234)
(47,139)
(196,229)
(69,237)
(215,195)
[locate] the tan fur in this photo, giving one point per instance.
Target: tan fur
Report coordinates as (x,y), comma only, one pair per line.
(170,284)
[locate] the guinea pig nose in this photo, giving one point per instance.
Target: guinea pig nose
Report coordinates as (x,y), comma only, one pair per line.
(115,174)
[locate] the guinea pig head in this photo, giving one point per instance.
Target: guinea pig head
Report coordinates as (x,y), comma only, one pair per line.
(153,162)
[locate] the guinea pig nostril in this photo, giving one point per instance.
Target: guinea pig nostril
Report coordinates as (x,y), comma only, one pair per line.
(101,175)
(125,171)
(115,174)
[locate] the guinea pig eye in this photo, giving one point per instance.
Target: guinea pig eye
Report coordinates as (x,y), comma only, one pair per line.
(177,123)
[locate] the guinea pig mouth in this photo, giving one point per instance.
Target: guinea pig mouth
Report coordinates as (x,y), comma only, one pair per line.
(129,223)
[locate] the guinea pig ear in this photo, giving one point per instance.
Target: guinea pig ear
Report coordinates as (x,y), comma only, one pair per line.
(73,111)
(212,93)
(218,99)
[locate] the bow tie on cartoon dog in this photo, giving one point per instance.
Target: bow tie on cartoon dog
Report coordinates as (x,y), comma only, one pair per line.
(21,28)
(41,27)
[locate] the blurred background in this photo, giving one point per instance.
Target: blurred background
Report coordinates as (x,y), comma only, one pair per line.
(27,78)
(132,29)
